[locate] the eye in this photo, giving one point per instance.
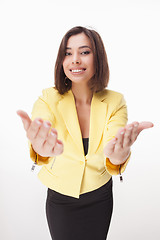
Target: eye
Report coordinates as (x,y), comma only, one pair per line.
(85,52)
(67,54)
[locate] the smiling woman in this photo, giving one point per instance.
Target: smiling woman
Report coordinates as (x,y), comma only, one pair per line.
(94,140)
(81,46)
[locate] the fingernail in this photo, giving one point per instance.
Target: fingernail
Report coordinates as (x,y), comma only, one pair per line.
(130,128)
(53,134)
(115,140)
(38,122)
(46,125)
(135,125)
(122,132)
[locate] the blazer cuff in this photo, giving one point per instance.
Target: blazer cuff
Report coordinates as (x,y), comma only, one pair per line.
(116,169)
(36,158)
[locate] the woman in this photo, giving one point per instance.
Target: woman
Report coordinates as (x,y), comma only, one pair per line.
(78,133)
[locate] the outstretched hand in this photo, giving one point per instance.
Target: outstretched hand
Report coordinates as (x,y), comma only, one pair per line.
(43,139)
(118,149)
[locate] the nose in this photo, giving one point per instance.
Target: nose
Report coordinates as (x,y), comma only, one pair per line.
(75,59)
(76,62)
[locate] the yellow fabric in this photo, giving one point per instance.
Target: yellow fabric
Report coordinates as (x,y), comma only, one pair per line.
(72,173)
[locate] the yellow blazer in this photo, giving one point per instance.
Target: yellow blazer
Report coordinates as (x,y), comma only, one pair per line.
(72,173)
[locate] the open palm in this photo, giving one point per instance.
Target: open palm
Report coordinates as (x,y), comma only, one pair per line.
(118,149)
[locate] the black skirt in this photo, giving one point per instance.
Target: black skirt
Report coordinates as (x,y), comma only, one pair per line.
(86,218)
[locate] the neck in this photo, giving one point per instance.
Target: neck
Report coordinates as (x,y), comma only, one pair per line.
(82,94)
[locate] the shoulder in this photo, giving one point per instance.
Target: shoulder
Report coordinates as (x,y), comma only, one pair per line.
(110,96)
(51,94)
(114,100)
(51,91)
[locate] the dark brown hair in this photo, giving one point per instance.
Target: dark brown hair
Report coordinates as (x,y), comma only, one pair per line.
(101,77)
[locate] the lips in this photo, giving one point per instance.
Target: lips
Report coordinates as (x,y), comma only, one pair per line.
(77,70)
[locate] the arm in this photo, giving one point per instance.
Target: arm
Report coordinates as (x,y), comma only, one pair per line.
(43,142)
(117,118)
(117,150)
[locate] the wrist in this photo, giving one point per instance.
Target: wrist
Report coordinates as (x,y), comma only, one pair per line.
(118,161)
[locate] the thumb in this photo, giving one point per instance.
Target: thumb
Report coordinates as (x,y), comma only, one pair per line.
(144,125)
(25,119)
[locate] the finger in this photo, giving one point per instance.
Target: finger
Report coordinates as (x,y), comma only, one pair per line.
(34,128)
(49,144)
(120,137)
(42,133)
(144,125)
(109,149)
(127,136)
(134,132)
(58,149)
(25,119)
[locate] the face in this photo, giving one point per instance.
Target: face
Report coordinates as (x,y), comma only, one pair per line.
(78,63)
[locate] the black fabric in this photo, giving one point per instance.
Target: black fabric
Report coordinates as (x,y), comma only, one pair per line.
(86,218)
(85,144)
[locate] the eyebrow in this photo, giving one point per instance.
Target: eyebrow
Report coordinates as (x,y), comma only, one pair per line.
(79,47)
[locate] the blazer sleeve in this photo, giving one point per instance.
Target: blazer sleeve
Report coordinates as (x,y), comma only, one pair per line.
(117,118)
(41,109)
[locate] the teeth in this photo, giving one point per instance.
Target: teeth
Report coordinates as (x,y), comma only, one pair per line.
(77,70)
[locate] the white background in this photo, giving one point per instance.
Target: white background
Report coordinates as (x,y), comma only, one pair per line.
(30,34)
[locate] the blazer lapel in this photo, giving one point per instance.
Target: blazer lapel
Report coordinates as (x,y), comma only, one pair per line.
(97,121)
(68,111)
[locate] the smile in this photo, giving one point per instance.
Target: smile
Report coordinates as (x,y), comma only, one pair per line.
(77,70)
